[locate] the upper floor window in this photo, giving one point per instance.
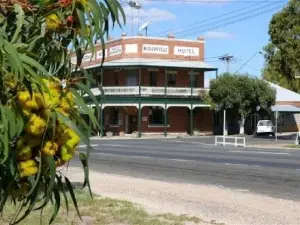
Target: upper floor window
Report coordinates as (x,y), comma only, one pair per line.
(171,79)
(193,80)
(153,77)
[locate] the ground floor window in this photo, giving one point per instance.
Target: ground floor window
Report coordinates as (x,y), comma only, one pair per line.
(156,116)
(114,116)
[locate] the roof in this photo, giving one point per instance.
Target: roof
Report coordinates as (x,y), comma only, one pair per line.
(144,62)
(285,95)
(201,40)
(285,108)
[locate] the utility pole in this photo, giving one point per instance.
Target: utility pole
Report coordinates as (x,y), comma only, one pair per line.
(226,58)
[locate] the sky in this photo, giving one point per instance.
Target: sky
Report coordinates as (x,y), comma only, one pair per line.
(235,27)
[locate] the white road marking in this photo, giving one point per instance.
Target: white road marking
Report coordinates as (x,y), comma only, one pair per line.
(181,160)
(201,143)
(237,164)
(266,153)
(241,190)
(113,145)
(179,141)
(84,146)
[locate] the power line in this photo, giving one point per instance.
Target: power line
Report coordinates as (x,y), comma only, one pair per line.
(230,22)
(247,61)
(221,18)
(232,16)
(202,21)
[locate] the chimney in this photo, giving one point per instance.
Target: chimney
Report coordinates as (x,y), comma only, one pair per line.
(124,34)
(200,38)
(171,36)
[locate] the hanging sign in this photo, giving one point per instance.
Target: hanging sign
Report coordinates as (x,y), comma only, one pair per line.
(156,49)
(116,50)
(186,51)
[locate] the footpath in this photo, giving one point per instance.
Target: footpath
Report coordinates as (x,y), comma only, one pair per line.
(212,204)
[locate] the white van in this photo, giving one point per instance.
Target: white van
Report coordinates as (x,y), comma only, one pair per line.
(265,127)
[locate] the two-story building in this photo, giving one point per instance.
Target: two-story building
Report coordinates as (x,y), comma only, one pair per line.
(151,85)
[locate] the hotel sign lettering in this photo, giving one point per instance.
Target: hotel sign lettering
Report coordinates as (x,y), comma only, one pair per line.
(186,51)
(156,49)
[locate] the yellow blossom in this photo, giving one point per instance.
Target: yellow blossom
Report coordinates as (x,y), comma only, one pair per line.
(53,22)
(24,153)
(23,96)
(50,148)
(36,125)
(66,154)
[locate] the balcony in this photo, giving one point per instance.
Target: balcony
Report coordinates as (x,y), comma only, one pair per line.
(148,91)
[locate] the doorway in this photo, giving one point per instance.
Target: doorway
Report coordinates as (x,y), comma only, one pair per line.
(131,123)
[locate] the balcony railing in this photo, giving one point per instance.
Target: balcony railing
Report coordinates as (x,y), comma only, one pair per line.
(148,91)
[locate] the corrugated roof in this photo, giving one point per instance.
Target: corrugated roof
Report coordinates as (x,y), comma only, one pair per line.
(285,108)
(144,62)
(285,95)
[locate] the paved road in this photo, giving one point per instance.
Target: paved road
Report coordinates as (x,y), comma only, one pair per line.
(273,172)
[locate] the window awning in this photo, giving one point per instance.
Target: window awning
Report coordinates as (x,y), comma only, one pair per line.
(285,108)
(156,63)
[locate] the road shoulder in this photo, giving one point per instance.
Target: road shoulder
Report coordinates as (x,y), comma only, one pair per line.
(210,203)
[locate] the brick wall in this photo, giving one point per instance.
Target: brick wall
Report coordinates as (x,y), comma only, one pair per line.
(136,43)
(178,121)
(182,78)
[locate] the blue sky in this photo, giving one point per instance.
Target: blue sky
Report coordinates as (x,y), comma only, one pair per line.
(241,39)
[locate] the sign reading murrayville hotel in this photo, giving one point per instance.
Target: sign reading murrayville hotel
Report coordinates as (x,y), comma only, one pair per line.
(155,49)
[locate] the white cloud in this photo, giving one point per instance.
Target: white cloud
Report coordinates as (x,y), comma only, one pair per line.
(218,35)
(151,14)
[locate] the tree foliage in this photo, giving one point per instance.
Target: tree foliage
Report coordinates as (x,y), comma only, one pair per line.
(241,93)
(41,98)
(282,54)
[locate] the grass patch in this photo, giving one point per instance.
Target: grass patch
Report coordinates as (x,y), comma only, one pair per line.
(101,211)
(293,146)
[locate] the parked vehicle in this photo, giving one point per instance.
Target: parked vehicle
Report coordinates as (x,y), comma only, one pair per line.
(265,127)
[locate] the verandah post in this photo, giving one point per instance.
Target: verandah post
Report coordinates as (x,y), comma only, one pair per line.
(140,113)
(166,110)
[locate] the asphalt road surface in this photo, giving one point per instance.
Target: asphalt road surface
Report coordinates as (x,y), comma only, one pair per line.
(272,172)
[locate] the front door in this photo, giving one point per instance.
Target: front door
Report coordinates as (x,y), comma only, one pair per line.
(131,124)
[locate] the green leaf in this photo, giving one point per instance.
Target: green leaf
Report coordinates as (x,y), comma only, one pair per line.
(62,188)
(91,95)
(32,62)
(4,136)
(14,59)
(71,190)
(20,20)
(84,161)
(56,205)
(52,170)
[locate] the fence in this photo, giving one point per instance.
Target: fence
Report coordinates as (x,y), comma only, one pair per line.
(237,141)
